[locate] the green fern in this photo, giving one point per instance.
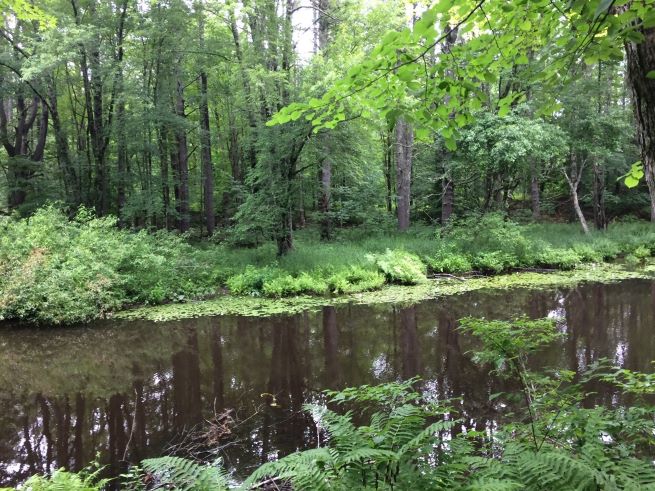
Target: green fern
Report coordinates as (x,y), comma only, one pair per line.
(185,475)
(62,480)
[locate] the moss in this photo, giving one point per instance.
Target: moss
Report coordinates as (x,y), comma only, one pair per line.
(260,306)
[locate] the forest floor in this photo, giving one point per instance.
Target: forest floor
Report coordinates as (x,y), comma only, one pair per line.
(57,271)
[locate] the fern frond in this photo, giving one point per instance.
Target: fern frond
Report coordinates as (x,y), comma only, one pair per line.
(186,475)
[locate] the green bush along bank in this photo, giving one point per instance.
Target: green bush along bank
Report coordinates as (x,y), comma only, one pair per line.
(54,270)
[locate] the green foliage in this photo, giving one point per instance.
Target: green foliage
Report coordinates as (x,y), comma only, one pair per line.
(507,343)
(185,475)
(55,270)
(62,480)
(400,267)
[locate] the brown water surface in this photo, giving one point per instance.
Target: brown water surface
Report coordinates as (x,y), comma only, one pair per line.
(129,390)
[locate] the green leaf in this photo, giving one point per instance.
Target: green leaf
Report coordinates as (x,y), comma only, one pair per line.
(631,182)
(651,74)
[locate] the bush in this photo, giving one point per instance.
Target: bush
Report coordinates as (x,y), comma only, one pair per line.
(400,267)
(63,480)
(449,262)
(355,279)
(56,270)
(251,281)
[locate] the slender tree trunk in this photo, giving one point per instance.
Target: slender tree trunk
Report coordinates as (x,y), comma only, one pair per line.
(599,196)
(534,190)
(388,169)
(182,163)
(404,144)
(121,135)
(324,200)
(326,167)
(205,136)
(641,61)
(574,182)
(70,178)
(447,182)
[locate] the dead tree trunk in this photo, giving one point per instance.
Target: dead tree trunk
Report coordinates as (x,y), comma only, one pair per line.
(574,181)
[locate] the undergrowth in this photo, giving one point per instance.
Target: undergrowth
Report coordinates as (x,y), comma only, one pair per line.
(55,270)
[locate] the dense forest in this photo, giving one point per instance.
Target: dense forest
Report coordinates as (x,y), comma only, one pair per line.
(303,161)
(164,151)
(157,112)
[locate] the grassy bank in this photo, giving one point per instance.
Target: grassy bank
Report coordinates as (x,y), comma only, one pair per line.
(53,270)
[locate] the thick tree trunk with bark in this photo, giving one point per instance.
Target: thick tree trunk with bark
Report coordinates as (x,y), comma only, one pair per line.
(404,145)
(641,61)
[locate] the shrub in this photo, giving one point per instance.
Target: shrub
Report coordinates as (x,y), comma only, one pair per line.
(56,270)
(251,281)
(63,480)
(355,279)
(400,267)
(449,262)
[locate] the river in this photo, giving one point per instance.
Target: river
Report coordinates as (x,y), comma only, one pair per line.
(234,386)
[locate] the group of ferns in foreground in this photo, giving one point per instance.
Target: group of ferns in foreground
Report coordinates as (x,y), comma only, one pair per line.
(397,437)
(56,270)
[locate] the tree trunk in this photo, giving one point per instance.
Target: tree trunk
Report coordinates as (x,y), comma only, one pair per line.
(574,182)
(205,136)
(388,168)
(641,61)
(324,200)
(121,135)
(285,238)
(447,199)
(206,157)
(404,144)
(447,183)
(534,190)
(326,166)
(600,220)
(578,210)
(181,163)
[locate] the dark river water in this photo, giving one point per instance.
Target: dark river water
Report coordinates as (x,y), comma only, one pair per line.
(128,390)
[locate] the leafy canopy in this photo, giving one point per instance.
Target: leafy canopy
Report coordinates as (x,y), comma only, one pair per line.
(537,41)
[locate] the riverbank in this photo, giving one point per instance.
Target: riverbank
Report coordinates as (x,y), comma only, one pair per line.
(261,306)
(57,271)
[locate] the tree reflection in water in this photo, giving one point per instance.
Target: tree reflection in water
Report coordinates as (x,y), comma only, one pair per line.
(130,390)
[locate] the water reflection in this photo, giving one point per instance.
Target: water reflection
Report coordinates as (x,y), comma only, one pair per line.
(130,391)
